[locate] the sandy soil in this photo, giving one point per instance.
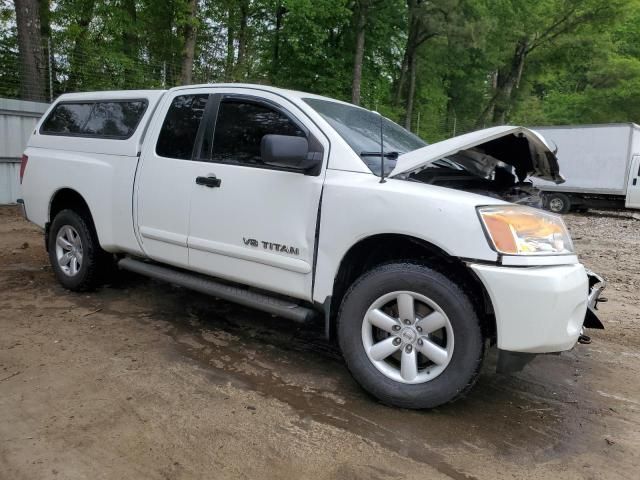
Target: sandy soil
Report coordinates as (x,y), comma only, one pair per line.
(145,380)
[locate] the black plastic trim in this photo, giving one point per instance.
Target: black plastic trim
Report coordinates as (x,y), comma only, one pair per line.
(288,308)
(210,111)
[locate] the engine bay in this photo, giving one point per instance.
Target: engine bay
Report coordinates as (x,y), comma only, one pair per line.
(492,178)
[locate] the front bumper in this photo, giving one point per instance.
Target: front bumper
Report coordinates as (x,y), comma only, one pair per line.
(539,309)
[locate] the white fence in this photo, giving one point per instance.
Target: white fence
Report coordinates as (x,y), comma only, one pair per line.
(17,119)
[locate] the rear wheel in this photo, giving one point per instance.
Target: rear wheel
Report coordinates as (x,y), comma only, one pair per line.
(558,202)
(410,336)
(75,254)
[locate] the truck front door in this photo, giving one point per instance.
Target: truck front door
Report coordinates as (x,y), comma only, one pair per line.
(251,222)
(633,189)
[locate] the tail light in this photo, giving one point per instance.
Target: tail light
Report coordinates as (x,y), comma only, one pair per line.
(23,166)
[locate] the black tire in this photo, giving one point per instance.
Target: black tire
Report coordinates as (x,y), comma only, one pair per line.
(96,263)
(558,203)
(468,353)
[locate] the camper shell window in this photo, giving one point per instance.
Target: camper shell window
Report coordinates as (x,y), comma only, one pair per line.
(113,119)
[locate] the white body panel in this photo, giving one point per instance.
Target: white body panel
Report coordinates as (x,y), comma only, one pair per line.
(356,206)
(539,309)
(153,208)
(163,197)
(593,158)
(272,206)
(109,199)
(105,179)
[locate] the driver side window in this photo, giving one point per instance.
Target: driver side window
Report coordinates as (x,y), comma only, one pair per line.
(240,127)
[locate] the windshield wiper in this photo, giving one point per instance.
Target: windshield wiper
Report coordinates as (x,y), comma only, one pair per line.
(390,155)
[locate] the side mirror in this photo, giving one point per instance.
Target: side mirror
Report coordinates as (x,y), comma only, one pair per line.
(289,152)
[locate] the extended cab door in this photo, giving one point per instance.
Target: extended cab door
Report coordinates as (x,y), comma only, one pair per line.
(165,177)
(251,222)
(633,189)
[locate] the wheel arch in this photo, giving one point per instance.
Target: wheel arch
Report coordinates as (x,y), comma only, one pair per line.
(68,198)
(380,249)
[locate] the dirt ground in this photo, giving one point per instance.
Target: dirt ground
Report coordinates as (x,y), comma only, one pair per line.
(145,380)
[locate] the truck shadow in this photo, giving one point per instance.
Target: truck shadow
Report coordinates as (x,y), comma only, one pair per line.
(535,415)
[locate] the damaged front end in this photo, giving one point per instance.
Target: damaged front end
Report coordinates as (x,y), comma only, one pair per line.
(596,285)
(499,163)
(513,362)
(496,162)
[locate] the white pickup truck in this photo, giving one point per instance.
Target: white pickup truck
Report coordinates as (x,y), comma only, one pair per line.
(416,257)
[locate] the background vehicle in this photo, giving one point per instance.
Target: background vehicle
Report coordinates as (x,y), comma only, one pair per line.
(601,164)
(275,199)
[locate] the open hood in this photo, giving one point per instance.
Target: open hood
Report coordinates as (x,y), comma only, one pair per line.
(481,151)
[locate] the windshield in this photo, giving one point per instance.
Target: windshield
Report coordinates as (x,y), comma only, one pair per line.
(360,128)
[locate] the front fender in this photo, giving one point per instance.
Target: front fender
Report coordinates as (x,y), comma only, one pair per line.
(356,206)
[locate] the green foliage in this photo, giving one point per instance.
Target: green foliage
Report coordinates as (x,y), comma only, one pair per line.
(9,78)
(582,63)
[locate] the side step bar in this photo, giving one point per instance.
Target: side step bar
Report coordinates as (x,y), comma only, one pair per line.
(209,286)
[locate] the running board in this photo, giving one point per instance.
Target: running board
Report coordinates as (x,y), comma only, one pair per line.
(209,286)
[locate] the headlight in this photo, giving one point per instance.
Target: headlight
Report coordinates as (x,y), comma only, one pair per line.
(517,230)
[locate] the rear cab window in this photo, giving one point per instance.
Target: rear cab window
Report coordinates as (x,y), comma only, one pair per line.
(180,127)
(111,119)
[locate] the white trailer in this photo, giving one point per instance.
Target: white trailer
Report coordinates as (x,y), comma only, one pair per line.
(601,165)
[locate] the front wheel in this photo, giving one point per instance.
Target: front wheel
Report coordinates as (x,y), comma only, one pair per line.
(410,336)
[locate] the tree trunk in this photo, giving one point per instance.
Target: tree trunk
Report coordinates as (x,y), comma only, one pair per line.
(509,81)
(76,61)
(130,45)
(242,40)
(189,50)
(402,80)
(411,93)
(360,24)
(228,68)
(504,82)
(44,13)
(33,62)
(280,11)
(420,29)
(45,30)
(412,32)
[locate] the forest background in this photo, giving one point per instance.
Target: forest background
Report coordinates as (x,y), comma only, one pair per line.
(440,67)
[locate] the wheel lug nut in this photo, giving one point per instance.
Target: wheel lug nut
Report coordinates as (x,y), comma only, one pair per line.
(420,341)
(408,349)
(419,329)
(396,328)
(397,341)
(407,322)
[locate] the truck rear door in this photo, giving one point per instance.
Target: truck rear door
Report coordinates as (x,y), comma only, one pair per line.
(251,222)
(633,189)
(165,177)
